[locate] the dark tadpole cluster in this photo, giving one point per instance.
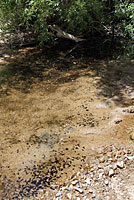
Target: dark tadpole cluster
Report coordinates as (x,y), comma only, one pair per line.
(38,177)
(31,180)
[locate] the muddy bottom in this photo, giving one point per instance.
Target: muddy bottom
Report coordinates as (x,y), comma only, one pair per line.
(55,114)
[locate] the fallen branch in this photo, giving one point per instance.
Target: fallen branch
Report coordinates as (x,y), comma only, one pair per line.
(63,34)
(71,50)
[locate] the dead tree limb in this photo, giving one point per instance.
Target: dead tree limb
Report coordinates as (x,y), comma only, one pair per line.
(71,50)
(63,34)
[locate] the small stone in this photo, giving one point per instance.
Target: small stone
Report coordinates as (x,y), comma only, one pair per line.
(114,166)
(132,136)
(68,189)
(58,194)
(101,171)
(69,196)
(106,182)
(102,160)
(111,172)
(100,175)
(130,157)
(85,172)
(88,181)
(71,187)
(99,167)
(78,173)
(79,190)
(90,190)
(106,171)
(53,187)
(120,164)
(94,82)
(77,194)
(74,182)
(110,160)
(93,195)
(107,198)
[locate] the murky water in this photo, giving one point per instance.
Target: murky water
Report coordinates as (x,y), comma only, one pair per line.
(54,113)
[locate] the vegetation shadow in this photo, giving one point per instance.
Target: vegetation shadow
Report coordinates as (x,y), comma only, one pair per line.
(117,81)
(30,66)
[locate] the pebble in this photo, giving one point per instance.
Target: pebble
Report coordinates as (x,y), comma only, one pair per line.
(69,196)
(78,189)
(94,178)
(68,188)
(102,160)
(93,195)
(106,171)
(130,157)
(58,194)
(120,164)
(115,166)
(75,182)
(100,175)
(107,198)
(106,182)
(132,136)
(71,187)
(111,172)
(90,190)
(88,181)
(85,173)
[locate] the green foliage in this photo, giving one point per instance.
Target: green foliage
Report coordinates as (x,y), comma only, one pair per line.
(125,12)
(81,15)
(77,16)
(9,16)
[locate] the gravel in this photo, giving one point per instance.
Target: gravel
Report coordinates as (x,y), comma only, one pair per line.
(104,177)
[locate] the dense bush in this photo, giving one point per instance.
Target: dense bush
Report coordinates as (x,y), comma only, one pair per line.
(125,14)
(79,17)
